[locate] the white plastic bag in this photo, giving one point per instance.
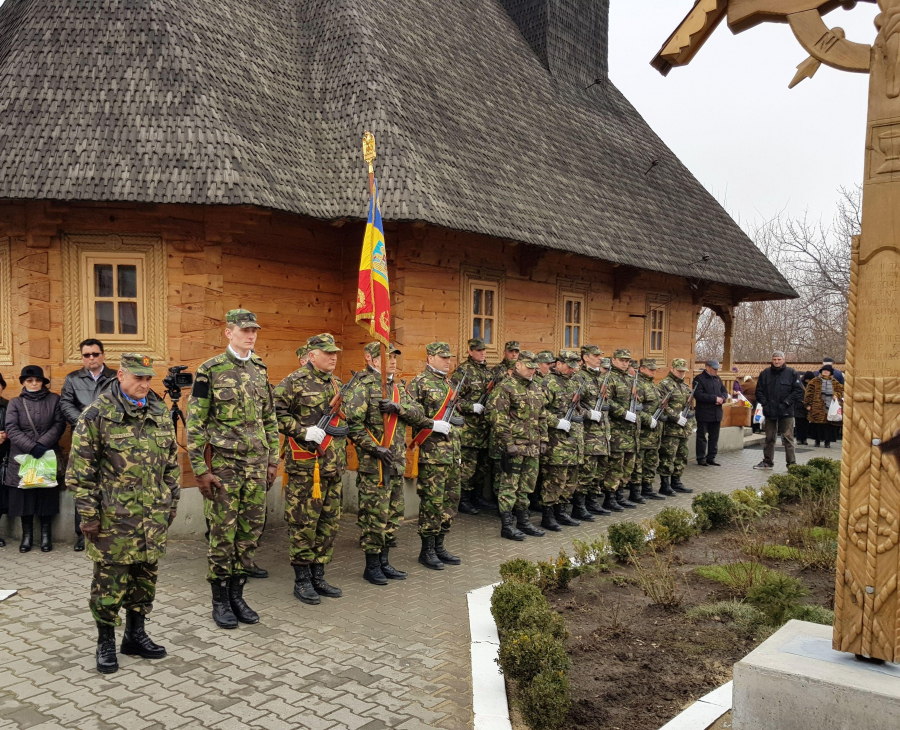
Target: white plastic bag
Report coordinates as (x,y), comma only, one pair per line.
(758,417)
(835,411)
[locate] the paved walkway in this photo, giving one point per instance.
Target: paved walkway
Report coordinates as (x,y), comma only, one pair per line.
(391,657)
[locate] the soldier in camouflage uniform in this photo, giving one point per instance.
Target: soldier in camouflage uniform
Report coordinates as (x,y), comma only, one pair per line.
(520,429)
(624,431)
(566,442)
(312,494)
(231,420)
(673,450)
(475,471)
(439,455)
(596,438)
(647,458)
(544,360)
(506,365)
(380,505)
(632,488)
(124,470)
(302,355)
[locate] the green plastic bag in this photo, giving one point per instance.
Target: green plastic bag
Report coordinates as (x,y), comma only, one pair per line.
(37,473)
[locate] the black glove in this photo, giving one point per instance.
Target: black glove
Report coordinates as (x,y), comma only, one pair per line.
(388,406)
(456,421)
(604,408)
(512,450)
(37,451)
(544,447)
(384,455)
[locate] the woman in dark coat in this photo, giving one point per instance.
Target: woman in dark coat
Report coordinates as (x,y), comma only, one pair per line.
(35,436)
(819,394)
(4,453)
(801,423)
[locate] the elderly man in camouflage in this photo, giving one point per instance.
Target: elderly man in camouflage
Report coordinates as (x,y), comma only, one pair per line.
(380,501)
(624,431)
(596,438)
(312,495)
(565,451)
(232,442)
(520,429)
(475,470)
(647,458)
(439,455)
(673,449)
(124,471)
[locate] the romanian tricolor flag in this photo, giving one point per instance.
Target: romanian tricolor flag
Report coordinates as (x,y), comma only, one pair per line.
(373,297)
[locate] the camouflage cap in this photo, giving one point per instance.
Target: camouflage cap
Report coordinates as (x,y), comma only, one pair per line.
(476,343)
(442,349)
(302,351)
(634,363)
(374,349)
(591,350)
(527,358)
(323,342)
(606,363)
(512,345)
(568,356)
(243,318)
(137,364)
(623,353)
(649,363)
(545,356)
(679,363)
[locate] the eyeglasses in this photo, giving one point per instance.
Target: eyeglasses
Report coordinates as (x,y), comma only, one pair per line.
(91,354)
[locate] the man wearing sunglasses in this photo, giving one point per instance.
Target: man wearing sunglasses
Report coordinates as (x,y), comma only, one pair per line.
(79,390)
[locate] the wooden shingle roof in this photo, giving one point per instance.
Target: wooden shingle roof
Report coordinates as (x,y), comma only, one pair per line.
(265,102)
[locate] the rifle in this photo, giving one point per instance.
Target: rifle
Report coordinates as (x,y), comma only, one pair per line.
(494,381)
(687,405)
(445,416)
(658,414)
(333,412)
(600,405)
(634,406)
(576,399)
(454,400)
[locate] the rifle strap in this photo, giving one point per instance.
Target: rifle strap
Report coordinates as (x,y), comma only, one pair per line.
(301,454)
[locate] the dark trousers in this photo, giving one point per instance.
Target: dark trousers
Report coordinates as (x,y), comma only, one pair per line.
(707,440)
(801,429)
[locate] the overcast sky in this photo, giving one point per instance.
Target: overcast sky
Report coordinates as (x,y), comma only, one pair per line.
(730,117)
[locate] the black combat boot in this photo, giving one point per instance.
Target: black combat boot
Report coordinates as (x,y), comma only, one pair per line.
(373,572)
(482,504)
(523,523)
(648,493)
(562,517)
(257,572)
(319,584)
(27,535)
(303,587)
(239,607)
(509,529)
(106,649)
(548,521)
(221,605)
(79,544)
(135,641)
(442,554)
(427,556)
(391,542)
(679,487)
(665,488)
(634,493)
(390,572)
(592,505)
(579,512)
(611,503)
(623,500)
(46,534)
(465,504)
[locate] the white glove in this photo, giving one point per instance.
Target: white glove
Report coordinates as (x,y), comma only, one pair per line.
(441,427)
(478,408)
(596,415)
(564,425)
(653,423)
(315,434)
(682,421)
(631,417)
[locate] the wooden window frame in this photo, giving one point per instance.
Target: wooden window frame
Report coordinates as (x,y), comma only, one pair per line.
(484,287)
(6,285)
(90,259)
(657,305)
(571,291)
(472,278)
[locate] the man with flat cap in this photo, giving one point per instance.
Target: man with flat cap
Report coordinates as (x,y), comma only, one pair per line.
(647,457)
(439,455)
(124,470)
(475,471)
(314,462)
(709,397)
(587,500)
(624,430)
(232,442)
(673,449)
(382,460)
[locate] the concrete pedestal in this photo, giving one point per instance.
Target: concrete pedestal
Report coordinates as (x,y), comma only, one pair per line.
(796,681)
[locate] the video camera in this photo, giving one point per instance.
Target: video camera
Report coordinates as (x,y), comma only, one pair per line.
(176,380)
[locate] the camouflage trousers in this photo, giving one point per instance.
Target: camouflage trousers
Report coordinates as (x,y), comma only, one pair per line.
(236,517)
(475,470)
(673,456)
(592,475)
(646,463)
(131,586)
(439,493)
(396,508)
(619,468)
(312,523)
(380,510)
(514,488)
(560,483)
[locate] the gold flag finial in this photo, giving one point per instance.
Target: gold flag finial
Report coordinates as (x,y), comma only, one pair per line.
(368,145)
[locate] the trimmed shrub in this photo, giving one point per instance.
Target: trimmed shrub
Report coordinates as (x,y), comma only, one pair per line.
(545,701)
(832,467)
(749,503)
(679,523)
(555,574)
(625,535)
(510,600)
(719,508)
(786,486)
(542,618)
(777,595)
(525,654)
(519,570)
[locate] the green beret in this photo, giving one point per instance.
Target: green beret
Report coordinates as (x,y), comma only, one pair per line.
(323,342)
(243,318)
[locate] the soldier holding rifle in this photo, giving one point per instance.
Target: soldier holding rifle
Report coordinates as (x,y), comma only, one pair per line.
(647,456)
(623,422)
(673,450)
(596,436)
(475,470)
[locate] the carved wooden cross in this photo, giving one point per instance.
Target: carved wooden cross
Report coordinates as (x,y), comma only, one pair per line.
(867,606)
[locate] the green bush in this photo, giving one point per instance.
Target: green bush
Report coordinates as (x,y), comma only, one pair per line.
(545,701)
(519,570)
(801,471)
(510,600)
(746,618)
(832,467)
(542,618)
(786,486)
(597,553)
(679,523)
(719,508)
(737,576)
(770,495)
(813,614)
(525,654)
(780,552)
(555,574)
(749,504)
(625,535)
(777,595)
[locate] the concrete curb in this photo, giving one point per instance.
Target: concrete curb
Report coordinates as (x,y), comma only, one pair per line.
(704,712)
(489,701)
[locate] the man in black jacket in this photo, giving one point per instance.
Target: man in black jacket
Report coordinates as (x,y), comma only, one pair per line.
(79,391)
(779,390)
(710,396)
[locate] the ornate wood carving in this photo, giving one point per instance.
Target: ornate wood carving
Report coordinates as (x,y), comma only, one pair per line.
(6,327)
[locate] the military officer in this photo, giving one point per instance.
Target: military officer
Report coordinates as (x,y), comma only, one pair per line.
(124,470)
(520,430)
(475,470)
(232,442)
(647,458)
(314,462)
(381,462)
(673,450)
(596,438)
(565,449)
(438,458)
(623,427)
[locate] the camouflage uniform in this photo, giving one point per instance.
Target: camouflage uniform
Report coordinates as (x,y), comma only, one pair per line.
(301,399)
(230,409)
(476,465)
(380,509)
(503,368)
(673,450)
(596,433)
(623,434)
(124,471)
(543,357)
(566,450)
(648,447)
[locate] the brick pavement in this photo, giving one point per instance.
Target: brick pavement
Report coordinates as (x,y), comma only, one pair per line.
(391,657)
